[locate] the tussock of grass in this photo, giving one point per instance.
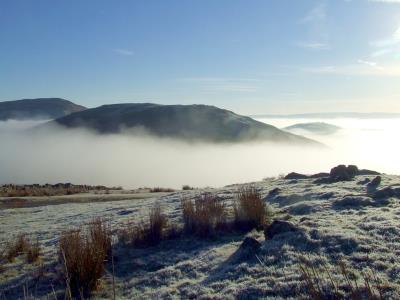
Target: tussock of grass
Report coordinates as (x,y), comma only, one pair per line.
(157,222)
(143,234)
(250,211)
(321,283)
(83,253)
(16,247)
(21,245)
(203,216)
(33,252)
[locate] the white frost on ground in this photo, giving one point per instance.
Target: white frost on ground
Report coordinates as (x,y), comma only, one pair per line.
(358,230)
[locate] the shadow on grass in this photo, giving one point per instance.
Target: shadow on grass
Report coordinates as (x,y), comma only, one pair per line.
(42,282)
(130,261)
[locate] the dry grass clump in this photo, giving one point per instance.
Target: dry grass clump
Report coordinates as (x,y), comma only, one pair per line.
(143,234)
(83,253)
(320,283)
(16,247)
(157,222)
(250,211)
(187,187)
(161,190)
(33,252)
(21,245)
(203,216)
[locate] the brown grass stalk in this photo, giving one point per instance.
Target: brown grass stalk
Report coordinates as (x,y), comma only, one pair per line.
(250,210)
(203,216)
(83,253)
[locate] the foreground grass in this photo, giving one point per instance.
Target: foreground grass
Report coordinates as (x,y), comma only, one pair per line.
(159,272)
(83,253)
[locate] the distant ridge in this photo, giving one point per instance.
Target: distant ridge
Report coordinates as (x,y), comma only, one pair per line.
(39,109)
(334,115)
(188,122)
(314,127)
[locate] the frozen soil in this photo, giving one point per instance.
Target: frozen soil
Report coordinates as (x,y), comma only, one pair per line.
(336,221)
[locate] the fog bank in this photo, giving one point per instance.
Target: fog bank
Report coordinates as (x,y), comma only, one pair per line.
(82,157)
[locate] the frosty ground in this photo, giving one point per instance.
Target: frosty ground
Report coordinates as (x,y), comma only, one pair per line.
(336,222)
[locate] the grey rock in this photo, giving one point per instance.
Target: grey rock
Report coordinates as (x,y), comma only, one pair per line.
(320,175)
(375,182)
(295,175)
(340,173)
(367,172)
(363,182)
(274,192)
(352,170)
(278,227)
(248,249)
(384,193)
(353,202)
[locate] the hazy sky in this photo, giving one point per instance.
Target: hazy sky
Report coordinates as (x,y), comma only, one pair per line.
(252,56)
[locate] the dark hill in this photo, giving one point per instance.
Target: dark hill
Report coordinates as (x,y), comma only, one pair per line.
(40,109)
(189,122)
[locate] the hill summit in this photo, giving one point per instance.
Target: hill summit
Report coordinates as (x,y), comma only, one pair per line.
(189,122)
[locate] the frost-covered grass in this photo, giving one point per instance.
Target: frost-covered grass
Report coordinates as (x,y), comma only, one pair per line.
(337,222)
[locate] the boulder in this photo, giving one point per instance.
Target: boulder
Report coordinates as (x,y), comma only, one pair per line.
(274,192)
(248,249)
(295,175)
(384,193)
(352,170)
(279,227)
(340,173)
(363,182)
(367,172)
(375,182)
(353,202)
(323,180)
(320,175)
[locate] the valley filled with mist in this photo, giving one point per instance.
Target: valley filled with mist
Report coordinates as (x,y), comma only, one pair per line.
(80,156)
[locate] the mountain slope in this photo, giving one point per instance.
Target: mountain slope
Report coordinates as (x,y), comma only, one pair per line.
(190,122)
(40,108)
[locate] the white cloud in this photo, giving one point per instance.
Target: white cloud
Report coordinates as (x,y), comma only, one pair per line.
(124,52)
(386,45)
(361,68)
(380,52)
(313,45)
(368,63)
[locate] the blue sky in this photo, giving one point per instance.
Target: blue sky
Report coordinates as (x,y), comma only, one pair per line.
(251,56)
